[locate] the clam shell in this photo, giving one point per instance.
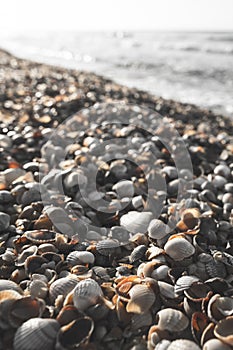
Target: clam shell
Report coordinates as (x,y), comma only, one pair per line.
(162,345)
(179,248)
(215,344)
(38,289)
(107,246)
(80,257)
(138,253)
(167,290)
(141,299)
(141,320)
(136,222)
(7,298)
(223,330)
(40,236)
(62,286)
(172,320)
(36,333)
(10,285)
(184,283)
(77,332)
(157,229)
(219,307)
(183,344)
(124,188)
(32,250)
(86,293)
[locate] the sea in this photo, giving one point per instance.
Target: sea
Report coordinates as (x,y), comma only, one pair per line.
(191,67)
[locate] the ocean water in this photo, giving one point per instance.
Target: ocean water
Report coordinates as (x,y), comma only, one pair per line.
(191,67)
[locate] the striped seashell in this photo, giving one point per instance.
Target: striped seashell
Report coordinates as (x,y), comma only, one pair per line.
(138,253)
(62,286)
(157,229)
(141,299)
(179,248)
(86,293)
(141,320)
(36,333)
(172,320)
(184,283)
(107,246)
(80,257)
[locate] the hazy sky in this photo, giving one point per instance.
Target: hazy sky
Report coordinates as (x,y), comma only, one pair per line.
(116,14)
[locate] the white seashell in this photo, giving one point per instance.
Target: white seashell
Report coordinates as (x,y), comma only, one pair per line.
(141,320)
(86,293)
(179,248)
(36,333)
(124,188)
(167,290)
(136,222)
(215,344)
(184,283)
(162,345)
(157,229)
(141,299)
(80,257)
(10,285)
(62,286)
(172,320)
(38,289)
(107,246)
(183,344)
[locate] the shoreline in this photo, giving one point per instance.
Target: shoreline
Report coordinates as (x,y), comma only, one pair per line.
(87,89)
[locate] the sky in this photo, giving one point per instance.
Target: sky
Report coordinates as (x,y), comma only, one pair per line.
(117,15)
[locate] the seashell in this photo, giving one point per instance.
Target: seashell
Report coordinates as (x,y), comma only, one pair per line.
(222,170)
(167,290)
(98,311)
(23,309)
(219,307)
(199,322)
(223,330)
(215,344)
(32,250)
(7,298)
(156,336)
(179,248)
(183,344)
(136,222)
(138,253)
(162,345)
(172,320)
(119,233)
(47,247)
(160,272)
(184,283)
(62,286)
(68,314)
(10,285)
(40,236)
(141,299)
(141,320)
(158,229)
(36,333)
(208,333)
(74,334)
(38,288)
(4,221)
(189,219)
(124,188)
(86,293)
(107,246)
(79,257)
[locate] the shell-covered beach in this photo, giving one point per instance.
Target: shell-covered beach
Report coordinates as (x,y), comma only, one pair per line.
(116,216)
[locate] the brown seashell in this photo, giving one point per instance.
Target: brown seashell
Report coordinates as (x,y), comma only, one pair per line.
(141,299)
(199,322)
(36,333)
(179,248)
(122,315)
(62,286)
(68,314)
(40,236)
(32,250)
(215,344)
(7,298)
(172,320)
(219,307)
(23,309)
(76,333)
(155,335)
(189,220)
(126,283)
(223,330)
(86,293)
(208,333)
